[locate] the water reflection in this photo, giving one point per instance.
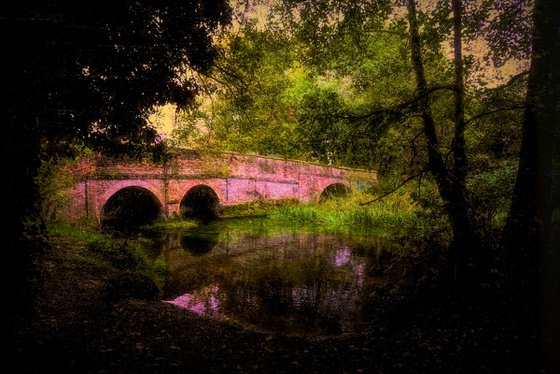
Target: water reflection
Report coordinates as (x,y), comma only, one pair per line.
(286,281)
(203,302)
(198,245)
(342,256)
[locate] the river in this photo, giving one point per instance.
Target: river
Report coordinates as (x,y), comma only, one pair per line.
(275,276)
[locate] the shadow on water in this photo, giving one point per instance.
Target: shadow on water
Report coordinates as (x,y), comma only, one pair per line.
(280,279)
(197,245)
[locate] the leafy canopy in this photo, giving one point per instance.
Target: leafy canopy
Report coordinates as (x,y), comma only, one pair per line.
(332,81)
(90,71)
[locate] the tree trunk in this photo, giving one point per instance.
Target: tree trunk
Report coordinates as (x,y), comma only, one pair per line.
(532,234)
(451,184)
(470,242)
(460,160)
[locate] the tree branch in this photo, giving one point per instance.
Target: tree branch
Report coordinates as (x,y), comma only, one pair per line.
(396,188)
(480,115)
(512,80)
(397,108)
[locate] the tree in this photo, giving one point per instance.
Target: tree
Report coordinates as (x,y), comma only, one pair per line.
(440,104)
(250,111)
(85,73)
(532,231)
(367,70)
(450,179)
(285,88)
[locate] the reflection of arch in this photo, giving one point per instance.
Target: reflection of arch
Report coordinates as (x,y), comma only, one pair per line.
(198,245)
(335,190)
(130,208)
(200,202)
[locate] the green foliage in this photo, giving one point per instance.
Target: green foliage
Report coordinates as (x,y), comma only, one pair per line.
(397,210)
(110,254)
(491,194)
(78,232)
(273,94)
(53,184)
(248,113)
(332,82)
(117,252)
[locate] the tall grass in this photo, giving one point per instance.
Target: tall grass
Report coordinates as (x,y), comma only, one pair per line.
(397,209)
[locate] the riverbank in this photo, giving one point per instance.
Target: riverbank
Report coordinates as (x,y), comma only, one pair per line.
(80,326)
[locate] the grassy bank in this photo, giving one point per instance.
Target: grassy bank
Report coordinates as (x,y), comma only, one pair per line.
(394,210)
(122,259)
(398,210)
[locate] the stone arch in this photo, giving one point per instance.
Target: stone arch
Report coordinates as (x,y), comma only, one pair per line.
(116,186)
(130,207)
(334,190)
(200,202)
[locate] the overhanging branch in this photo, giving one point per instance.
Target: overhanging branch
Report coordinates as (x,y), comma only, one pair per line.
(489,113)
(397,109)
(411,178)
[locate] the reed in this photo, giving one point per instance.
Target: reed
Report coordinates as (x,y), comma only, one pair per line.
(398,209)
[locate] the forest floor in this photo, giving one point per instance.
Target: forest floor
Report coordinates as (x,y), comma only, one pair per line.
(76,330)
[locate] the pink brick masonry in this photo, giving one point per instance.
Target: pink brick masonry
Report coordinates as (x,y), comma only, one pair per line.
(235,179)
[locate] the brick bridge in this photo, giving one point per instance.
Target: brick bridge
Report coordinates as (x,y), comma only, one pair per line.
(190,180)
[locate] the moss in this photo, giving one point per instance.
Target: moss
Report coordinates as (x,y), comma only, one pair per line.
(256,208)
(177,223)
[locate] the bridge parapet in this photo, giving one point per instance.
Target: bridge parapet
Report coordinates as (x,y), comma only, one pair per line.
(234,178)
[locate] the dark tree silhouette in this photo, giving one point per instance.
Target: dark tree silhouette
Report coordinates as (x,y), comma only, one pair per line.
(532,232)
(85,73)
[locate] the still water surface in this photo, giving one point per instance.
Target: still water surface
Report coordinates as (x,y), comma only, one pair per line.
(274,277)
